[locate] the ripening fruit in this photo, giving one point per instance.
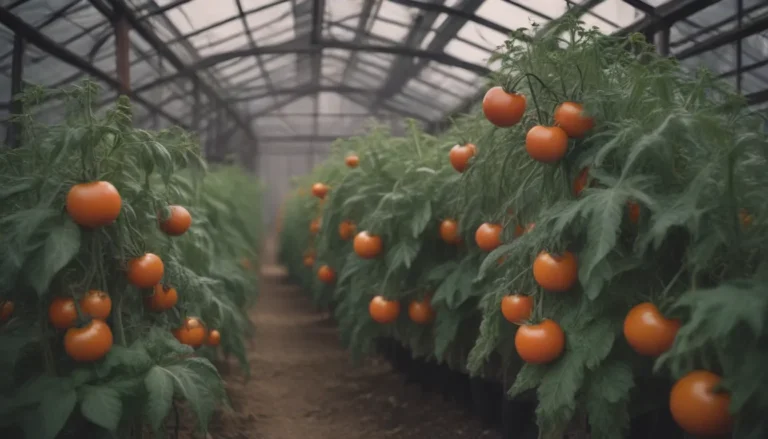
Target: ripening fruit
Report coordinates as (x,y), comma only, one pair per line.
(488,236)
(633,210)
(556,273)
(96,304)
(309,261)
(163,298)
(6,310)
(314,226)
(89,343)
(178,222)
(384,311)
(648,332)
(62,312)
(326,274)
(352,161)
(745,217)
(421,312)
(541,343)
(570,117)
(191,333)
(319,190)
(145,271)
(347,230)
(460,155)
(517,308)
(449,231)
(580,182)
(94,204)
(546,144)
(502,108)
(696,408)
(367,246)
(214,338)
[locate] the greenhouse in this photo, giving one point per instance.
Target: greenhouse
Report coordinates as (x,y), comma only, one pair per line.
(370,219)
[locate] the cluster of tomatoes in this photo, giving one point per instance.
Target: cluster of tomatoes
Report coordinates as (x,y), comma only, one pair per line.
(88,337)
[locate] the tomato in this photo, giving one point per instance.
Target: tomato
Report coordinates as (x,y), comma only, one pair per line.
(309,261)
(460,155)
(503,109)
(178,223)
(214,338)
(246,263)
(163,298)
(96,304)
(557,273)
(570,117)
(633,212)
(581,182)
(367,246)
(421,312)
(696,408)
(319,190)
(546,144)
(314,226)
(62,312)
(541,343)
(384,311)
(89,343)
(449,231)
(326,274)
(347,230)
(145,271)
(352,161)
(517,308)
(648,332)
(488,236)
(191,333)
(745,217)
(94,204)
(6,310)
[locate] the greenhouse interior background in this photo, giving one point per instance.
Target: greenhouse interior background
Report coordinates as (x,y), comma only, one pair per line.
(272,83)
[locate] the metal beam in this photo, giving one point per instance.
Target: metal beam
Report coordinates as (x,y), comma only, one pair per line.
(727,37)
(666,15)
(305,138)
(360,31)
(463,14)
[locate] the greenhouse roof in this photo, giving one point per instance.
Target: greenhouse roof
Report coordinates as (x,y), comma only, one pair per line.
(293,75)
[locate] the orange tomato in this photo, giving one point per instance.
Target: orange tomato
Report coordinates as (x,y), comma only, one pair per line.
(449,231)
(367,246)
(246,263)
(178,223)
(696,408)
(6,310)
(634,212)
(214,338)
(89,343)
(163,298)
(745,217)
(384,311)
(326,274)
(546,144)
(62,312)
(191,333)
(347,230)
(503,109)
(541,343)
(488,236)
(145,271)
(648,331)
(314,226)
(570,117)
(460,155)
(517,308)
(557,273)
(309,261)
(319,190)
(581,182)
(96,304)
(94,204)
(421,312)
(352,161)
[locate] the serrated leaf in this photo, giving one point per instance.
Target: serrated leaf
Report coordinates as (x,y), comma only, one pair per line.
(56,405)
(102,406)
(528,378)
(159,385)
(402,254)
(421,218)
(607,395)
(61,245)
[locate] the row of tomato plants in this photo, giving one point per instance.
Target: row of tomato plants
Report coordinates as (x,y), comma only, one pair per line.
(125,268)
(590,236)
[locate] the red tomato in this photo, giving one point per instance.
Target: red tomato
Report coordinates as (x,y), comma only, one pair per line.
(191,333)
(96,304)
(648,332)
(503,109)
(89,343)
(319,190)
(6,310)
(326,274)
(570,117)
(347,230)
(146,271)
(449,231)
(557,273)
(179,221)
(314,226)
(384,311)
(421,312)
(697,409)
(460,155)
(581,182)
(488,236)
(517,308)
(541,343)
(62,312)
(94,204)
(214,338)
(163,298)
(366,245)
(634,212)
(546,144)
(352,161)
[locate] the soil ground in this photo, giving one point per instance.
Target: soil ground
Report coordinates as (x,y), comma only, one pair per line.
(304,385)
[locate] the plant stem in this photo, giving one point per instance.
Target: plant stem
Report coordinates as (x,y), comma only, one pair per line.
(535,102)
(119,321)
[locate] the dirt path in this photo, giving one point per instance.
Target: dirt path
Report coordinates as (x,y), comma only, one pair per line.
(304,386)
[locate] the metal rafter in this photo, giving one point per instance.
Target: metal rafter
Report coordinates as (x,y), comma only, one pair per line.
(252,42)
(316,40)
(363,23)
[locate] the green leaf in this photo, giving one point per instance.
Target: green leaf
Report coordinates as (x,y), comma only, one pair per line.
(446,326)
(447,289)
(102,406)
(159,385)
(421,218)
(558,389)
(61,246)
(402,254)
(133,360)
(607,395)
(17,188)
(56,405)
(529,377)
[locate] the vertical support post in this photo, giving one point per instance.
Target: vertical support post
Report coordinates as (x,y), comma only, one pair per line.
(196,105)
(661,40)
(122,54)
(13,135)
(161,95)
(739,19)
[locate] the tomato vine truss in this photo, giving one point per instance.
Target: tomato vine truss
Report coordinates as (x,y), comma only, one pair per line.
(266,78)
